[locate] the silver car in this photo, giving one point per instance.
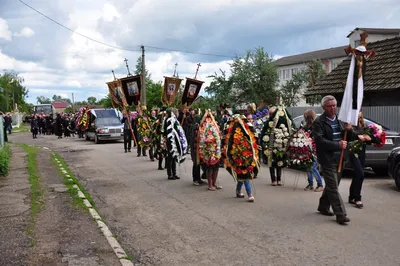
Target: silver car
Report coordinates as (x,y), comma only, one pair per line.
(376,158)
(106,126)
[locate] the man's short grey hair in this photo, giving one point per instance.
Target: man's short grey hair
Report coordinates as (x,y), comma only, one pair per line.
(326,99)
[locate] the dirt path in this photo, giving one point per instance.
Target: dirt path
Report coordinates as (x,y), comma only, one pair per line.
(63,232)
(15,212)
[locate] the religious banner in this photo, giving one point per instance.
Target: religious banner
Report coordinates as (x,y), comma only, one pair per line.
(171,87)
(117,95)
(192,89)
(132,87)
(354,91)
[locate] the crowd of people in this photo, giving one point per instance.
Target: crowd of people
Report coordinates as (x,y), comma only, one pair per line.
(241,143)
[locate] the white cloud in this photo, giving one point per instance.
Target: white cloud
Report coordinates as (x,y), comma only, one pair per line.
(25,32)
(5,33)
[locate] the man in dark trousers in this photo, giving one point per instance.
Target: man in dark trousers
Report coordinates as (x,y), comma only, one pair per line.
(127,120)
(328,132)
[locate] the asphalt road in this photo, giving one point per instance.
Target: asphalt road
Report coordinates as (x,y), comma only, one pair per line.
(162,222)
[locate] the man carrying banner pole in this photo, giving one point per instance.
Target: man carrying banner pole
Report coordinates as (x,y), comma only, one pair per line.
(354,91)
(118,100)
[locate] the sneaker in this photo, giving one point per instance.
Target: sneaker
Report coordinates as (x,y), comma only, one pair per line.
(196,183)
(309,187)
(319,189)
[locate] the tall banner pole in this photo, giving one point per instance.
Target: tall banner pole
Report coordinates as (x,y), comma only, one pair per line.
(143,100)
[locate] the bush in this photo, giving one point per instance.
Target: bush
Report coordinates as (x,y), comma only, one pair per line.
(5,153)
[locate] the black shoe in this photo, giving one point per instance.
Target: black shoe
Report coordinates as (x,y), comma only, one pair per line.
(352,201)
(171,178)
(325,212)
(239,195)
(138,155)
(359,205)
(129,150)
(342,219)
(160,168)
(177,177)
(125,151)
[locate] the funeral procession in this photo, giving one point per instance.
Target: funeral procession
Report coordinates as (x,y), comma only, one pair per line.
(172,133)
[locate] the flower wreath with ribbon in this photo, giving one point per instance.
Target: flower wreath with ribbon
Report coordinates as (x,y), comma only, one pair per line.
(240,150)
(209,136)
(275,137)
(176,139)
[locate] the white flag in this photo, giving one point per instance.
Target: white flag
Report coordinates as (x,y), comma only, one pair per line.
(347,114)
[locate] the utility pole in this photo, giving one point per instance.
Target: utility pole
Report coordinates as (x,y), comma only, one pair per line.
(73,103)
(143,78)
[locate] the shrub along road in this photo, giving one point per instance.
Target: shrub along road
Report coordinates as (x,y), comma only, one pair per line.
(161,222)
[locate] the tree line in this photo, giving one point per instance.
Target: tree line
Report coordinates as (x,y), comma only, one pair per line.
(253,78)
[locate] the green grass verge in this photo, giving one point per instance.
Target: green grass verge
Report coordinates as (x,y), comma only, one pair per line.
(22,128)
(74,192)
(36,190)
(5,155)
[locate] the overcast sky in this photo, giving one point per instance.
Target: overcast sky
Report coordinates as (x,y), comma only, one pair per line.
(54,60)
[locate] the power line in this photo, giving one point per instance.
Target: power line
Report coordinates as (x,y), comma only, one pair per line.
(118,47)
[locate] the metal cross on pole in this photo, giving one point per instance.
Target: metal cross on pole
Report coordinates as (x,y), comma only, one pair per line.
(197,70)
(127,67)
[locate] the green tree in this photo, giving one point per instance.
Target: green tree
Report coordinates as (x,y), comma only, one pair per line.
(106,101)
(220,88)
(315,71)
(254,77)
(60,98)
(138,70)
(153,94)
(91,100)
(43,100)
(12,91)
(291,91)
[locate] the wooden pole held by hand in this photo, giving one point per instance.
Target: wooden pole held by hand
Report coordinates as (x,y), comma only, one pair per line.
(342,154)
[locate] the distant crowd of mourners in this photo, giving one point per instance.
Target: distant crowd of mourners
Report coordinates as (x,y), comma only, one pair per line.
(241,143)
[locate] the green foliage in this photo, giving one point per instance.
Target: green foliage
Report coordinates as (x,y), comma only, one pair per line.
(36,190)
(204,102)
(153,95)
(91,100)
(5,154)
(315,72)
(106,102)
(43,100)
(291,90)
(59,98)
(253,79)
(13,92)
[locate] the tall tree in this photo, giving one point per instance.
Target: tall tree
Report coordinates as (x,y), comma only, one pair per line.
(291,91)
(254,77)
(138,70)
(221,88)
(315,72)
(106,102)
(62,99)
(43,100)
(91,100)
(154,92)
(12,91)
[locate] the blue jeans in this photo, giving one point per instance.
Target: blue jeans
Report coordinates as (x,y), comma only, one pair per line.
(314,171)
(9,128)
(247,185)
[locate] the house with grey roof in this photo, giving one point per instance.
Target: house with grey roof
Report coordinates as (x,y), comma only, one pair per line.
(331,58)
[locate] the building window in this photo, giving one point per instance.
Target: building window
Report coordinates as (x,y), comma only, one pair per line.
(356,43)
(294,71)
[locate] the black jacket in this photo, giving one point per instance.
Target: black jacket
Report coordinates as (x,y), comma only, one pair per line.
(323,135)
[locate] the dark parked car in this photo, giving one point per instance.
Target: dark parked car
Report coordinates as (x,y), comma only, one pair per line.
(376,158)
(394,165)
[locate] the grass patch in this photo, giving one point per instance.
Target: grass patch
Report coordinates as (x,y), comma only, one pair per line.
(74,192)
(22,128)
(36,190)
(5,155)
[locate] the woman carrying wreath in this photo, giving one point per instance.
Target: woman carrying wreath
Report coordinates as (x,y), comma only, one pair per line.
(240,153)
(209,149)
(276,134)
